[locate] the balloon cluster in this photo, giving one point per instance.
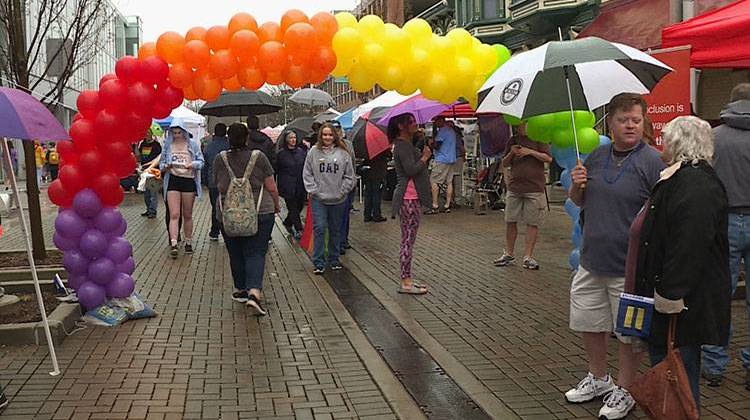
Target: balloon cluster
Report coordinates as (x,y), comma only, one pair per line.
(557,129)
(405,59)
(206,62)
(96,256)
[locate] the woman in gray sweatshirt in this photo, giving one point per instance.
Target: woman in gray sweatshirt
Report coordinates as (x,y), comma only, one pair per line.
(329,177)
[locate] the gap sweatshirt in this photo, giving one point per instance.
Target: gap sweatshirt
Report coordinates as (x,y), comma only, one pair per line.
(328,174)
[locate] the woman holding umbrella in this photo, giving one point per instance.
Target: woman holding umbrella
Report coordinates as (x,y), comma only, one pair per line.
(610,188)
(290,161)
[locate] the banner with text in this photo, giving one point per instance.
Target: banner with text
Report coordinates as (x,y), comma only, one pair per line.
(671,96)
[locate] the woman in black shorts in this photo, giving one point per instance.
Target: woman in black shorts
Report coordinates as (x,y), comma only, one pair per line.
(181,163)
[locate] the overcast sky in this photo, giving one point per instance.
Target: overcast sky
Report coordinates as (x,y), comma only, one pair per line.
(160,16)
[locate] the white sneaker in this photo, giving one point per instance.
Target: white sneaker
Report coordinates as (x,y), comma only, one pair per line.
(590,388)
(617,404)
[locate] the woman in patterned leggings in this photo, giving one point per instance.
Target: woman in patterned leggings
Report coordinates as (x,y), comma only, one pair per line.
(411,194)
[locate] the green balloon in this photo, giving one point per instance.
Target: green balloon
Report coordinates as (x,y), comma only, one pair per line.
(537,132)
(512,120)
(546,120)
(584,119)
(562,138)
(562,120)
(502,52)
(588,140)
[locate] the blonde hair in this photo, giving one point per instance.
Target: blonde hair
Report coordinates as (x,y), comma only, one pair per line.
(688,139)
(337,140)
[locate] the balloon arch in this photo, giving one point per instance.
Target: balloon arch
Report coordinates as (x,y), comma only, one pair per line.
(200,65)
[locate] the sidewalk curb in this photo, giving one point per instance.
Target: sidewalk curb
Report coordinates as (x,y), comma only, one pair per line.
(394,392)
(61,320)
(474,388)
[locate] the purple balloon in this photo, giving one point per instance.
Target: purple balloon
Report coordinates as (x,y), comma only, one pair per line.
(76,280)
(101,271)
(86,203)
(91,295)
(108,219)
(121,286)
(70,224)
(119,249)
(121,229)
(93,244)
(128,267)
(64,243)
(75,262)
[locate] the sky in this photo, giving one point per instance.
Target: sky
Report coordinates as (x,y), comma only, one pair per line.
(160,16)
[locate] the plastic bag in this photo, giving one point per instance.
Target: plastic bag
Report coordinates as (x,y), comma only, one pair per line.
(133,306)
(106,316)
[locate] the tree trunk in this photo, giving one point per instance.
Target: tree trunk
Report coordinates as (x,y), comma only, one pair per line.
(35,209)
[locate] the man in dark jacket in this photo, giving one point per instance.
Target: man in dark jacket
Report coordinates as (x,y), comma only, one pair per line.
(373,174)
(218,144)
(260,141)
(732,165)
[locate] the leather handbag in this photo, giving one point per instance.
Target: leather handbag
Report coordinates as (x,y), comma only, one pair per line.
(663,392)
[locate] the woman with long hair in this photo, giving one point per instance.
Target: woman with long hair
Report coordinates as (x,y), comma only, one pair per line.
(247,254)
(290,160)
(412,192)
(181,163)
(328,177)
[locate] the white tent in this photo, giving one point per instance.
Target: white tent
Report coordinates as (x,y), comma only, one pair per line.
(195,122)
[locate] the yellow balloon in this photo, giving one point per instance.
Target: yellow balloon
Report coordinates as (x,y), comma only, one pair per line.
(461,38)
(487,58)
(442,48)
(346,20)
(371,27)
(359,79)
(346,43)
(408,86)
(395,40)
(391,77)
(434,86)
(464,68)
(343,67)
(419,31)
(420,61)
(372,58)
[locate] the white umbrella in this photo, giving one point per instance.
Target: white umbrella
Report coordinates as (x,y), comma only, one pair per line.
(387,99)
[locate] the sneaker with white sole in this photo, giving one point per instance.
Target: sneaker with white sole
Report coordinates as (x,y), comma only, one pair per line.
(589,388)
(240,296)
(504,260)
(254,305)
(617,404)
(530,263)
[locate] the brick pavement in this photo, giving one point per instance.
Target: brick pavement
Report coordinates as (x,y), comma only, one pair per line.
(204,356)
(509,326)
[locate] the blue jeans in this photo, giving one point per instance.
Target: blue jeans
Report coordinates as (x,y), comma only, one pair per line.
(247,255)
(213,195)
(373,195)
(691,359)
(345,220)
(151,197)
(327,218)
(715,358)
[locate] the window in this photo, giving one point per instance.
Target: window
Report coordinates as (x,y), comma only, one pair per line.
(460,12)
(493,9)
(477,10)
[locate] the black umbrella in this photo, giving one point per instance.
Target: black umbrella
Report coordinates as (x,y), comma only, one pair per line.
(301,126)
(240,104)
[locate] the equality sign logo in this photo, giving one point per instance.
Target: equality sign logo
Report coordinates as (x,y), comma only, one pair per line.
(511,91)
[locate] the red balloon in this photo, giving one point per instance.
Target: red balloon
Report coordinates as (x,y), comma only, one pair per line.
(90,162)
(88,103)
(58,195)
(137,125)
(112,93)
(169,95)
(108,125)
(154,69)
(107,77)
(161,110)
(83,133)
(107,187)
(73,178)
(76,117)
(119,150)
(128,69)
(299,37)
(67,150)
(125,167)
(272,57)
(141,97)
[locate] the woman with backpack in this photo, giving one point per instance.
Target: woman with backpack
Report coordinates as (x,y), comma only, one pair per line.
(329,177)
(180,164)
(290,160)
(248,200)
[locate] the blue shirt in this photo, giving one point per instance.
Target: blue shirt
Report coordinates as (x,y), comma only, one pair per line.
(446,153)
(216,146)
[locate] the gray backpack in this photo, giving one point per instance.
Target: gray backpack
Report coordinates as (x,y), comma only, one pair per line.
(239,212)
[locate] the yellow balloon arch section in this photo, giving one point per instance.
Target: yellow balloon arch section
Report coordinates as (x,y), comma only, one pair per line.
(301,50)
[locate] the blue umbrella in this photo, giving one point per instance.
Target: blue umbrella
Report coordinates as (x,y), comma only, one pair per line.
(346,119)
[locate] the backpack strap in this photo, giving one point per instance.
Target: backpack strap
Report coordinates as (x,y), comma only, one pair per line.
(251,163)
(226,163)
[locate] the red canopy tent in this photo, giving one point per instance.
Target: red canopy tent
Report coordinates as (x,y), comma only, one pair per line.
(719,38)
(459,111)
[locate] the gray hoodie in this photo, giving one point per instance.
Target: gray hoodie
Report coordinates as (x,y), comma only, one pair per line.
(328,174)
(732,154)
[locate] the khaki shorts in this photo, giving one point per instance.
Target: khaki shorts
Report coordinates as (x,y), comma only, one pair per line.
(525,208)
(442,173)
(594,302)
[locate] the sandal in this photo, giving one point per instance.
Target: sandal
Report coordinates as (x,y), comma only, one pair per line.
(434,210)
(448,209)
(415,289)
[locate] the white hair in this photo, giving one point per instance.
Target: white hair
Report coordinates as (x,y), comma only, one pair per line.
(688,139)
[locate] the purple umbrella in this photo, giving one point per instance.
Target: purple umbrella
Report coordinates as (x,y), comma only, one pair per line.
(423,109)
(23,117)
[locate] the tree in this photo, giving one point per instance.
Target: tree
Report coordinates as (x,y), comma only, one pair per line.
(44,43)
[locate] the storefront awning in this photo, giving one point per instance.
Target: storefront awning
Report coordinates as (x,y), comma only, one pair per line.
(719,39)
(637,23)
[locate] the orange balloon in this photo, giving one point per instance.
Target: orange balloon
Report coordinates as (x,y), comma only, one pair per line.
(196,54)
(223,64)
(180,75)
(295,76)
(146,50)
(270,31)
(275,78)
(300,58)
(251,77)
(244,44)
(197,33)
(242,21)
(169,47)
(291,17)
(212,95)
(217,38)
(299,37)
(189,93)
(317,77)
(205,85)
(324,60)
(272,57)
(232,84)
(325,26)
